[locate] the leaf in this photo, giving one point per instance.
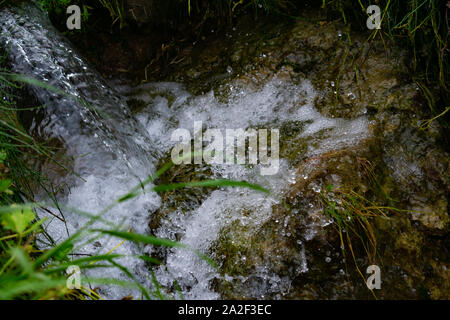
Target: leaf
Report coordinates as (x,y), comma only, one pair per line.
(126,197)
(64,251)
(22,259)
(135,237)
(209,183)
(18,219)
(140,238)
(4,186)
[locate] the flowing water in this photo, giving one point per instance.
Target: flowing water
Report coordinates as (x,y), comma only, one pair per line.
(110,149)
(276,103)
(118,149)
(114,148)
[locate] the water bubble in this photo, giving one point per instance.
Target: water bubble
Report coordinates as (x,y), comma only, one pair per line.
(327,259)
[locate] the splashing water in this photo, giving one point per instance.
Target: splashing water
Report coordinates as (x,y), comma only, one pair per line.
(110,149)
(119,149)
(274,104)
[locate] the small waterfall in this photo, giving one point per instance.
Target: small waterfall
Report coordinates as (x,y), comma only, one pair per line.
(110,149)
(90,106)
(113,150)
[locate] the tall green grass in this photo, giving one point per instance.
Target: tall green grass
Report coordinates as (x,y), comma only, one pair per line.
(421,26)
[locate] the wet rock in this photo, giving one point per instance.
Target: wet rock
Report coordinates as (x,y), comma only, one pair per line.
(410,242)
(417,163)
(433,216)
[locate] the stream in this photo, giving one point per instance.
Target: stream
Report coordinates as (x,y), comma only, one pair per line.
(116,134)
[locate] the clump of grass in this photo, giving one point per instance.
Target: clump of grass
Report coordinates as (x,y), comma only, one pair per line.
(17,147)
(177,11)
(420,26)
(116,9)
(353,216)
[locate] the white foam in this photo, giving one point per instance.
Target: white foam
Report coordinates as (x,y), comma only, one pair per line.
(202,226)
(92,196)
(276,103)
